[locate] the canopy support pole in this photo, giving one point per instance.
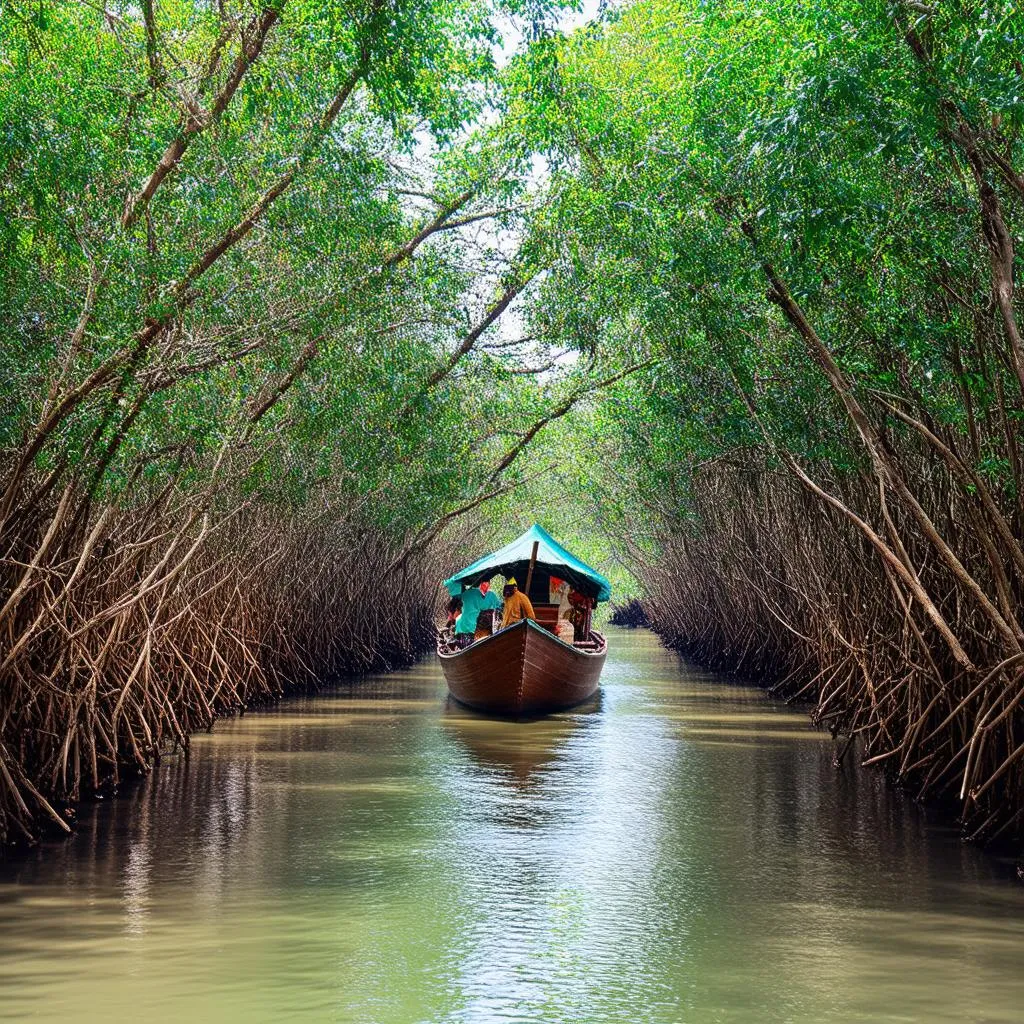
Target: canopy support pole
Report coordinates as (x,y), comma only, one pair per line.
(529,572)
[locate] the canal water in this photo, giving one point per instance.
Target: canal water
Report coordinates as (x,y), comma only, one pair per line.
(680,851)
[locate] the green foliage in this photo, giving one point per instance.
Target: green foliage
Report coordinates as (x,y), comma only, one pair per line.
(690,144)
(633,179)
(92,100)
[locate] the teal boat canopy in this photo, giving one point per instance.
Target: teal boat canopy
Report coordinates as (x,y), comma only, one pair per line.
(514,560)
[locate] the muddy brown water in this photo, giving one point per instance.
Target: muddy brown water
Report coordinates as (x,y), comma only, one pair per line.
(680,851)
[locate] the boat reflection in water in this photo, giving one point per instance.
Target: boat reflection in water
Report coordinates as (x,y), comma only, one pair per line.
(516,752)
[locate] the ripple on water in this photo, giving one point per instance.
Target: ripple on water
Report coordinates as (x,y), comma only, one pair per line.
(683,851)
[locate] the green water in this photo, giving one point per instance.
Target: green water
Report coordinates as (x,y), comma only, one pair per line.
(683,851)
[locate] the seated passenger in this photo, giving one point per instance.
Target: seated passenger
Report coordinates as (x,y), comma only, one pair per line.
(484,624)
(474,601)
(558,593)
(580,606)
(517,605)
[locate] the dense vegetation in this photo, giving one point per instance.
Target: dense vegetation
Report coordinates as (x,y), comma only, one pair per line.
(253,272)
(812,211)
(295,296)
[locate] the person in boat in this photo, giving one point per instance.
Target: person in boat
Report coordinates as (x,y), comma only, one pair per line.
(558,594)
(484,624)
(517,605)
(474,601)
(454,610)
(580,606)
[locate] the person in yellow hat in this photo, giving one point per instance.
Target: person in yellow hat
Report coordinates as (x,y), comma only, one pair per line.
(517,605)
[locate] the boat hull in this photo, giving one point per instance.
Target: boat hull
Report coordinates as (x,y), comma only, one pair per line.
(523,671)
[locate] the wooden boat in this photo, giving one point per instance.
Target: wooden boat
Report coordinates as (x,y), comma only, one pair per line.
(523,671)
(526,670)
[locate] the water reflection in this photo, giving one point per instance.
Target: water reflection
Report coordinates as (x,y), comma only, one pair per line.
(515,752)
(683,851)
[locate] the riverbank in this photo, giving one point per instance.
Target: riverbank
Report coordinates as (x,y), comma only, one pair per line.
(813,620)
(85,709)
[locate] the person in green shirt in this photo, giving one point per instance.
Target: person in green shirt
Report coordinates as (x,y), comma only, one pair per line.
(474,601)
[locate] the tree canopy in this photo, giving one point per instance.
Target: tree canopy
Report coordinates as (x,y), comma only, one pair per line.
(295,295)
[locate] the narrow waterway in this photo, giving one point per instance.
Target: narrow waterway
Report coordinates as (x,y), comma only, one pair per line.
(682,851)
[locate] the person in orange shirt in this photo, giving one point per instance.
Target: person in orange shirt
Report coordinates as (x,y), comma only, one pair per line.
(517,605)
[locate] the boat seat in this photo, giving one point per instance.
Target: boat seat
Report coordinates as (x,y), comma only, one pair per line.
(547,616)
